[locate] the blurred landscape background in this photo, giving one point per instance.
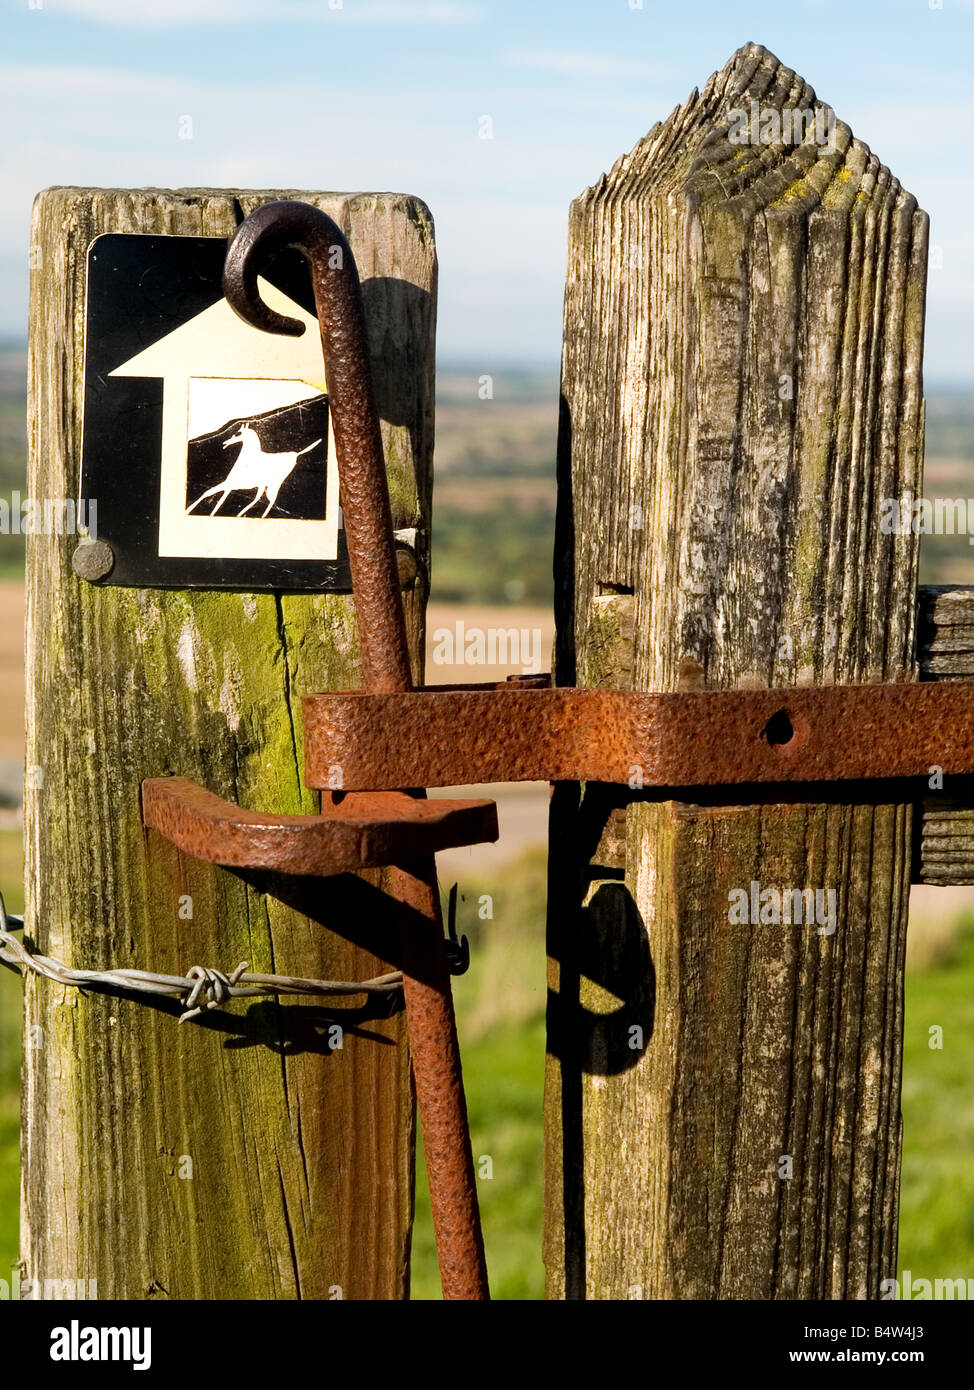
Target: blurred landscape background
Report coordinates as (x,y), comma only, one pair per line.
(492,546)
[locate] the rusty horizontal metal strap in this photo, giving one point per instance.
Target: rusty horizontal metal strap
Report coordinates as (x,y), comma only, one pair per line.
(450,736)
(360,831)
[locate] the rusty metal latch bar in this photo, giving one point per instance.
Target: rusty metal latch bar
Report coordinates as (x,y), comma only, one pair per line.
(457,736)
(363,830)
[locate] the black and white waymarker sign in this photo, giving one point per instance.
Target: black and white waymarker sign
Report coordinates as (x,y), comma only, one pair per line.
(207,443)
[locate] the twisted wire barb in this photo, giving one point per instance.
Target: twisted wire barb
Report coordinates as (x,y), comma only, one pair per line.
(200,989)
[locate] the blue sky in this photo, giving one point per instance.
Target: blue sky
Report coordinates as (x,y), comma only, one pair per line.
(390,94)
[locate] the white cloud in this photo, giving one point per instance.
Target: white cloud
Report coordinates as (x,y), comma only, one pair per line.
(159,13)
(500,225)
(42,86)
(580,63)
(178,13)
(403,12)
(124,129)
(500,206)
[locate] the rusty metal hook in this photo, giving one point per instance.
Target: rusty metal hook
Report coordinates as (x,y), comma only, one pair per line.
(358,440)
(385,659)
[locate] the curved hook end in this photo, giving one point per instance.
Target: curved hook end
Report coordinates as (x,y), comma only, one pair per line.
(240,280)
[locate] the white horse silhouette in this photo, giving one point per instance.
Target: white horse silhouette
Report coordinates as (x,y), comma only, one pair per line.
(252,469)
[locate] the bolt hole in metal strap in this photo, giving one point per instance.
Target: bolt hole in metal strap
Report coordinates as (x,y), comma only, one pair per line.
(779,730)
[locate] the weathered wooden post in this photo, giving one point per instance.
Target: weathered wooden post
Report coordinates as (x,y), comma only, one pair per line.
(741,389)
(266,1153)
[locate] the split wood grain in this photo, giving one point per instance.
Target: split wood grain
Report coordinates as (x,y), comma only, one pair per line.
(741,384)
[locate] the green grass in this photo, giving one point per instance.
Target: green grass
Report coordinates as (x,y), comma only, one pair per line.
(504,1077)
(500,1018)
(937,1200)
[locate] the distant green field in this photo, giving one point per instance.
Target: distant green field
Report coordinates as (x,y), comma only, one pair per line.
(13,451)
(11,882)
(950,425)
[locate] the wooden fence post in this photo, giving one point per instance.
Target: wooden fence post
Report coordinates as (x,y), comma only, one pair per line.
(741,388)
(250,1156)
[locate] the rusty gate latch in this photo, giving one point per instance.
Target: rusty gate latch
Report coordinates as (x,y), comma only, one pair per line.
(391,735)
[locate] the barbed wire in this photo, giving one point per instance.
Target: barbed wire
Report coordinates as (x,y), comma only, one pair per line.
(200,989)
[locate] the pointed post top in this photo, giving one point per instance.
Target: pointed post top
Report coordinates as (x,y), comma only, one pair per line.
(756,135)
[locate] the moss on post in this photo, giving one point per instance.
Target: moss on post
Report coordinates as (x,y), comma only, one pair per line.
(741,388)
(247,1157)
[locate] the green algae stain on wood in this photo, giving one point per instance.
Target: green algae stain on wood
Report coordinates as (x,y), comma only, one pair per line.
(233,1159)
